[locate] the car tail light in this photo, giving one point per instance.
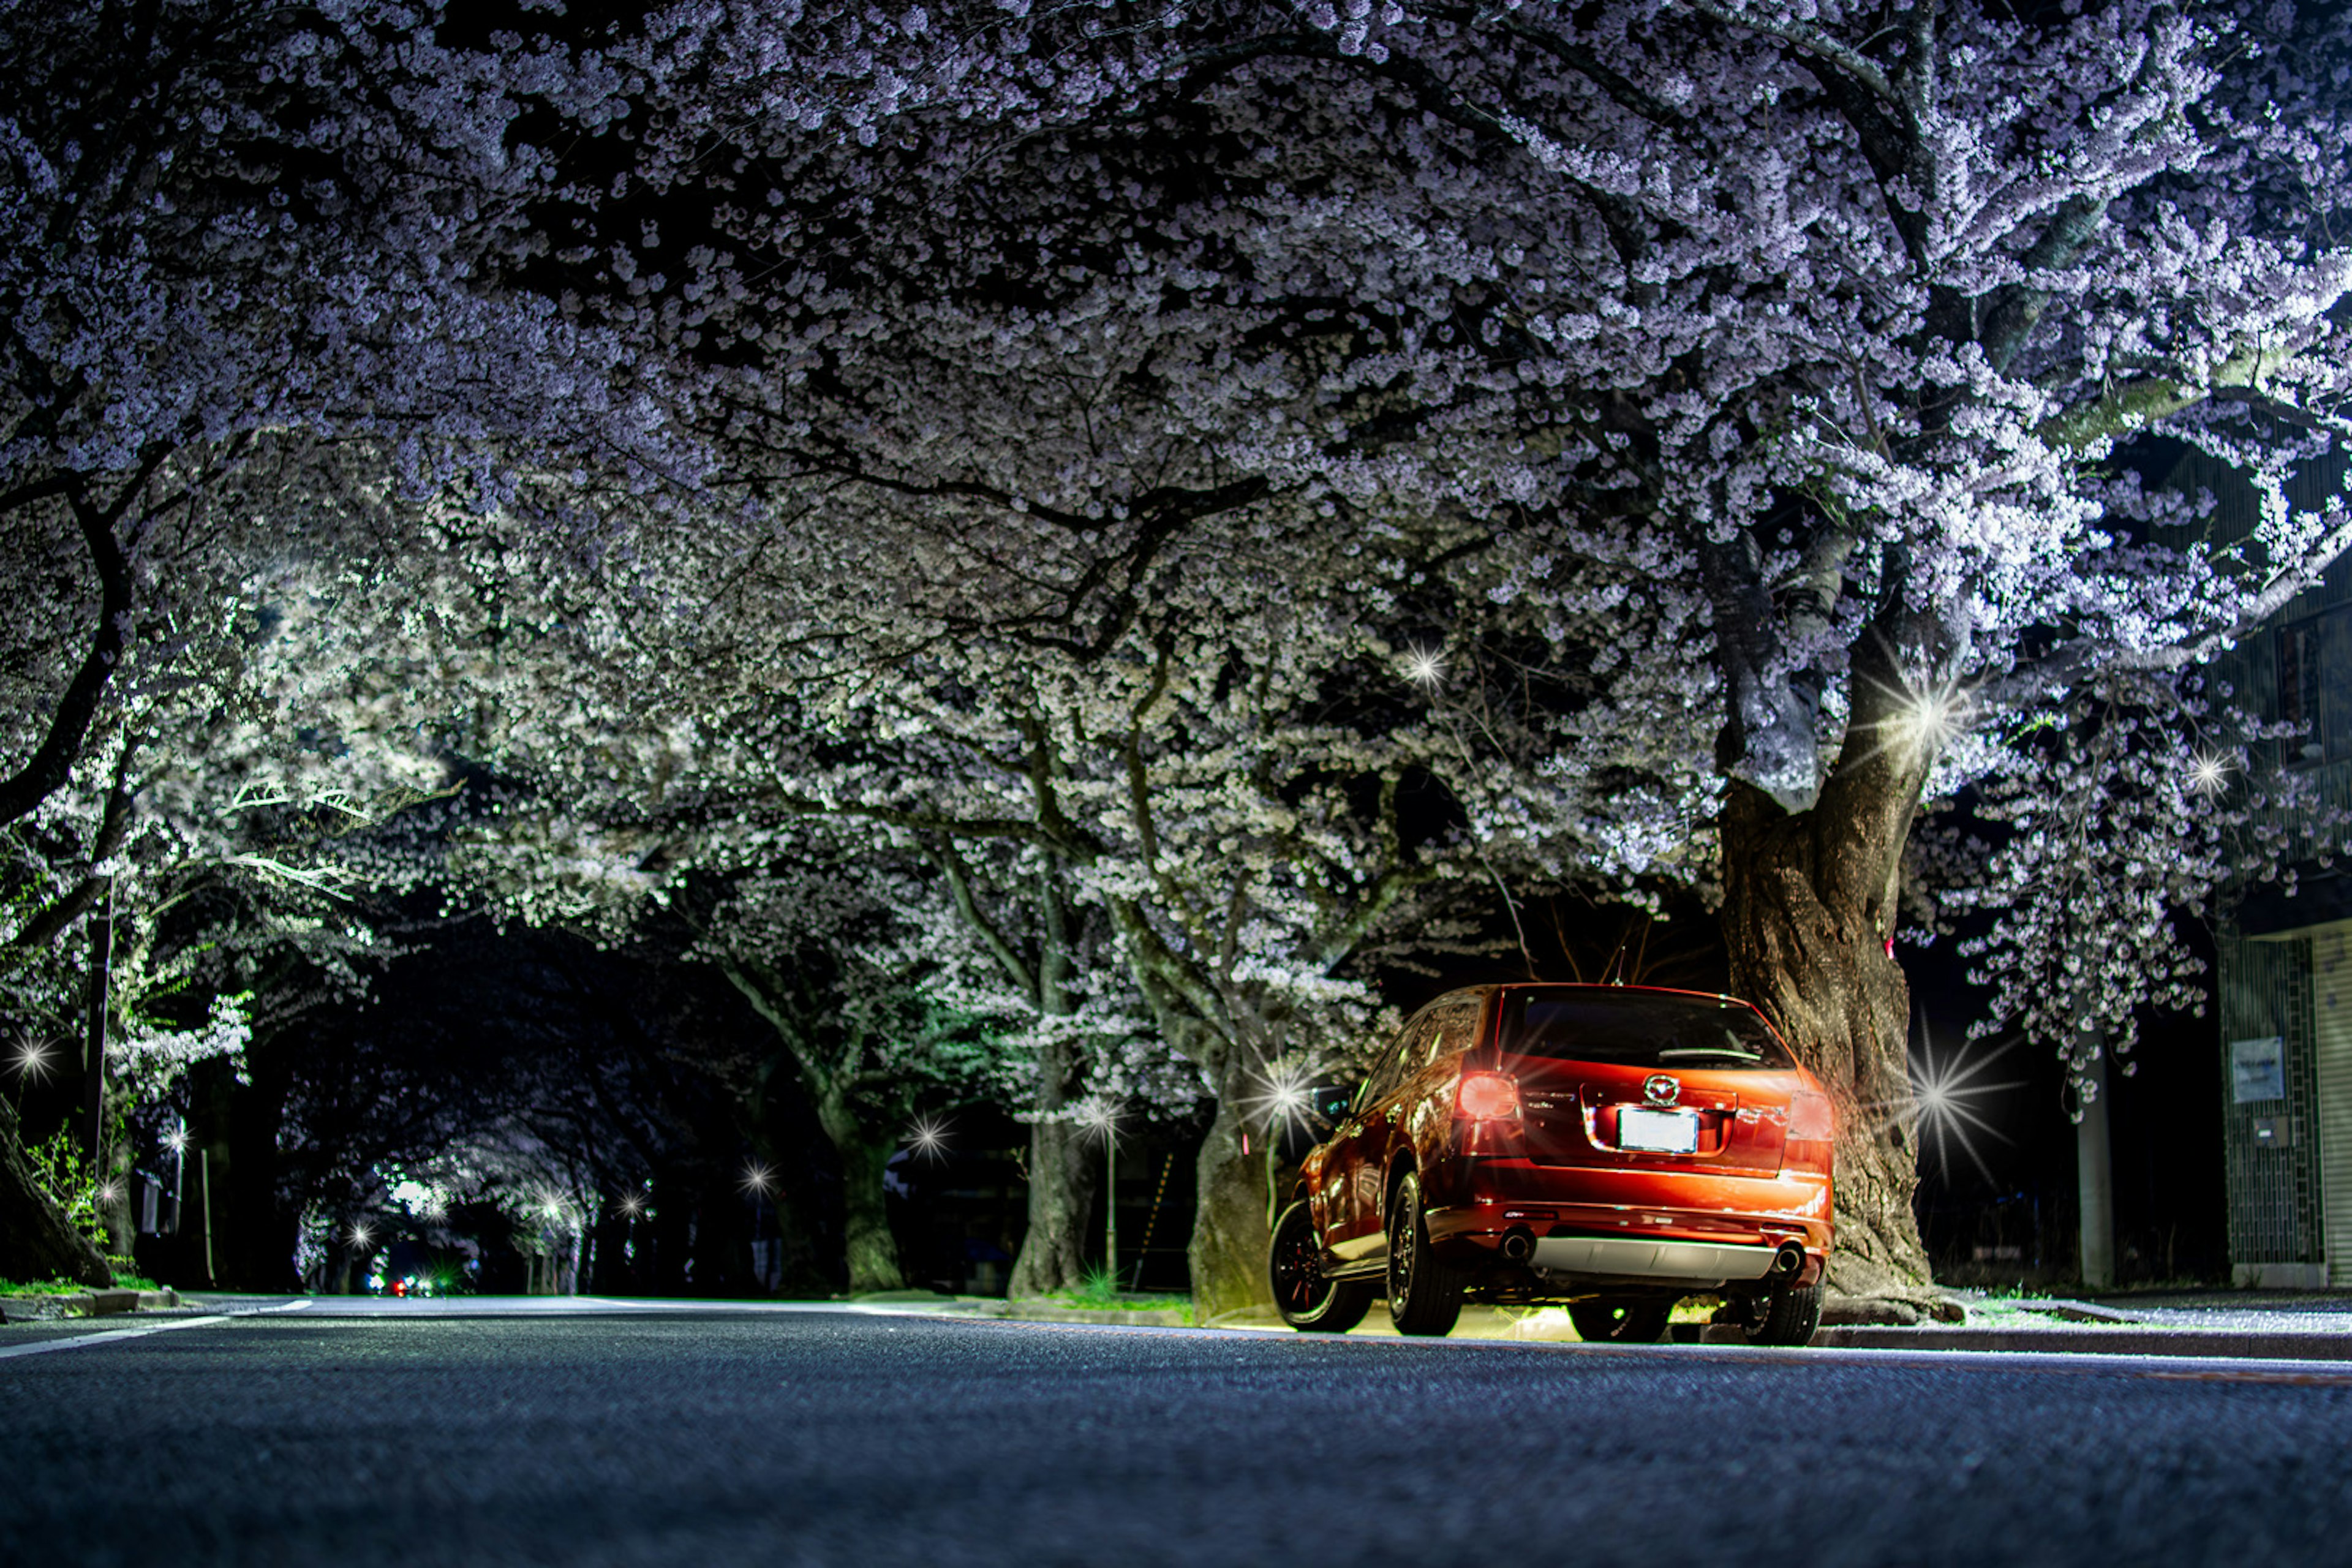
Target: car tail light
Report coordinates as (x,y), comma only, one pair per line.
(1487,1097)
(1808,1117)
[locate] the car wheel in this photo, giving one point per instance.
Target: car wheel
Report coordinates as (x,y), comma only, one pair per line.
(1621,1322)
(1307,1301)
(1424,1290)
(1786,1317)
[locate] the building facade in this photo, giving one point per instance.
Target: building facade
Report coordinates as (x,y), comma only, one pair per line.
(2285,956)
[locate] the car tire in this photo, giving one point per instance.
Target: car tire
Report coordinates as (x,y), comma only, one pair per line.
(1307,1301)
(1634,1323)
(1424,1290)
(1787,1317)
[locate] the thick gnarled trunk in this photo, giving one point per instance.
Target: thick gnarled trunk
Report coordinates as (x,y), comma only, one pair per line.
(37,1240)
(1061,1182)
(1230,1231)
(873,1251)
(1061,1198)
(1808,908)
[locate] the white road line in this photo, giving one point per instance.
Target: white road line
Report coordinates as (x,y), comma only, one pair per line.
(111,1335)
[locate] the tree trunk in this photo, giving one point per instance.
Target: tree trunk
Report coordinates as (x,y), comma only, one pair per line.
(1061,1188)
(116,1182)
(669,1222)
(37,1240)
(1231,1233)
(336,1273)
(872,1250)
(612,1271)
(257,1221)
(1808,908)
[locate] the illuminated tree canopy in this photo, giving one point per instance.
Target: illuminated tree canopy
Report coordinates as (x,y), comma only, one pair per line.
(1112,456)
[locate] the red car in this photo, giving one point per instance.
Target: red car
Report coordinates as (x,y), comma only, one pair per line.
(1611,1148)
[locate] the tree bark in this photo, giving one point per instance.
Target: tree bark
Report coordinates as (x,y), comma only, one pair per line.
(116,1182)
(1808,908)
(1231,1234)
(1061,1188)
(37,1240)
(873,1251)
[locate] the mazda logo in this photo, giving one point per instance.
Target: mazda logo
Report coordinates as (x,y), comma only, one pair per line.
(1660,1089)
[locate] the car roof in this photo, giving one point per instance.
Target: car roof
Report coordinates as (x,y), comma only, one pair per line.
(1638,990)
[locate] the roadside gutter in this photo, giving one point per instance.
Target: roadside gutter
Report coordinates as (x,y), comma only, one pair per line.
(85,1304)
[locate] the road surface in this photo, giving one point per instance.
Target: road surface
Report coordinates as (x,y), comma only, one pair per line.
(556,1432)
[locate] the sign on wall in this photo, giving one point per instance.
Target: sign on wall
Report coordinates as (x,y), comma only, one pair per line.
(2257,1069)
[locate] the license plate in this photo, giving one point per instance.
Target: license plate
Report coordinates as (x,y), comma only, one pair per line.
(1662,1132)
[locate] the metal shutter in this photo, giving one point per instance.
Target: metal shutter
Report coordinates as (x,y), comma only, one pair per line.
(2331,1007)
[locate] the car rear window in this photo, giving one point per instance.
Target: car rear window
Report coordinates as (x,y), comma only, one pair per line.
(1635,1029)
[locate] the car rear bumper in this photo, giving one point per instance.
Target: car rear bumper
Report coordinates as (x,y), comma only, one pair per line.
(1666,1226)
(1637,1258)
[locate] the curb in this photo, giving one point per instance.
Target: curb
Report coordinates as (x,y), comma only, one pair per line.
(85,1304)
(2217,1344)
(2213,1344)
(1145,1318)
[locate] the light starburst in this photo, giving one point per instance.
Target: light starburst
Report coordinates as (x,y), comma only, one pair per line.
(929,1137)
(362,1235)
(1922,719)
(1425,667)
(1098,1117)
(2208,772)
(32,1061)
(1281,1097)
(760,1179)
(1947,1103)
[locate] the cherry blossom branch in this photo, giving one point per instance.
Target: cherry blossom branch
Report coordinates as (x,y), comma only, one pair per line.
(46,771)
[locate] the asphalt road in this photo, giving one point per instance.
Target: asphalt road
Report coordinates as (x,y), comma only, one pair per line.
(423,1433)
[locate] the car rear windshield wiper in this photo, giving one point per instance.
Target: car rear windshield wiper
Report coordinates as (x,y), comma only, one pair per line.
(1671,1052)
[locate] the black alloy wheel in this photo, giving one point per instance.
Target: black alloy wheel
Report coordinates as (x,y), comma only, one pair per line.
(1633,1322)
(1788,1316)
(1424,1290)
(1307,1301)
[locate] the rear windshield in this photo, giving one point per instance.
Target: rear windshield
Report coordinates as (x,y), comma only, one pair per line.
(1638,1029)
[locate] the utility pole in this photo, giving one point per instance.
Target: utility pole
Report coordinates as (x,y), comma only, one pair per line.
(2094,1177)
(1110,1200)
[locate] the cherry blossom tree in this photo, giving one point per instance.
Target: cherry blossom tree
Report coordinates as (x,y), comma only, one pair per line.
(227,224)
(833,950)
(1804,341)
(1227,796)
(239,233)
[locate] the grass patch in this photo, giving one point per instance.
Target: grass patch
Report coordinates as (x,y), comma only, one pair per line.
(41,1287)
(1101,1292)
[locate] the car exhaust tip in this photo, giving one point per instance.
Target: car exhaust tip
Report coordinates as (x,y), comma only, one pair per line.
(1519,1244)
(1789,1261)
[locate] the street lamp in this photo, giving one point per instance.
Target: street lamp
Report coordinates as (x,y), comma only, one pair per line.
(1100,1117)
(757,1180)
(32,1062)
(177,1142)
(631,1208)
